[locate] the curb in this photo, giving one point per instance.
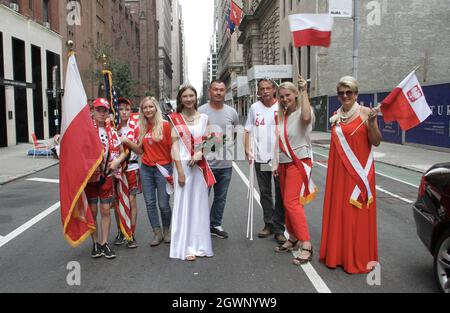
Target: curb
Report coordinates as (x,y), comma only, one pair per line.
(412,169)
(15,178)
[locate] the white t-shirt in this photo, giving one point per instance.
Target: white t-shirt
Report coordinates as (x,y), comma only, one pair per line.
(261,123)
(130,134)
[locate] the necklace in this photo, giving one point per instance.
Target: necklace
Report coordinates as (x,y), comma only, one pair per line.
(342,116)
(189,120)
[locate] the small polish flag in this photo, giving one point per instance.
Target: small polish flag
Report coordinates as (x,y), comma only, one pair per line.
(311,29)
(406,104)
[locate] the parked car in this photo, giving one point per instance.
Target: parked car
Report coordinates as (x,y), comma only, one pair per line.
(432,216)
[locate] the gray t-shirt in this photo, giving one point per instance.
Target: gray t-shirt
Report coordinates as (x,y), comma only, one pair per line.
(220,150)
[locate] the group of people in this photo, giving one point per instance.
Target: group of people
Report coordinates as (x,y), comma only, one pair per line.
(277,142)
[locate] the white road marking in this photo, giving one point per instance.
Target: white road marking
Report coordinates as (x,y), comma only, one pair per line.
(381,174)
(29,224)
(394,195)
(44,180)
(309,270)
(382,190)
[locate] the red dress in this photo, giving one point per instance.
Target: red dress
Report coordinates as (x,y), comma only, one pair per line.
(349,234)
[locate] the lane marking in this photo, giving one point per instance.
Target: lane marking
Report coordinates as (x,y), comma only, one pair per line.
(381,174)
(44,180)
(382,190)
(29,224)
(394,195)
(309,270)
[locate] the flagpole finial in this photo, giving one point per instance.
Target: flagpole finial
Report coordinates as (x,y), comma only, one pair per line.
(71,47)
(104,60)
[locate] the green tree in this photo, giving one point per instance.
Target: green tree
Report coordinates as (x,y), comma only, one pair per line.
(121,71)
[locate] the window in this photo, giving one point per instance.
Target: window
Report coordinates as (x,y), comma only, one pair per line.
(45,11)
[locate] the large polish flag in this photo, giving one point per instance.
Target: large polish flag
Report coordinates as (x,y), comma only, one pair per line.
(311,29)
(406,104)
(81,154)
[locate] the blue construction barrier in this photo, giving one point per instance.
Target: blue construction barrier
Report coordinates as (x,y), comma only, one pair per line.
(40,153)
(435,131)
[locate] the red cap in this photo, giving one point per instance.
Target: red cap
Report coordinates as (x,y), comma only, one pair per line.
(125,100)
(101,103)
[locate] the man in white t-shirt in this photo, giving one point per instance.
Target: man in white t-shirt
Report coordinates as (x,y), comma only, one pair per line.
(260,141)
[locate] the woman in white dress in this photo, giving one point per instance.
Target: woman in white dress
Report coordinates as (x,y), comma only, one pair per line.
(191,237)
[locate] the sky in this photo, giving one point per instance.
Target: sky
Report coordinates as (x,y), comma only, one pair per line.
(198,17)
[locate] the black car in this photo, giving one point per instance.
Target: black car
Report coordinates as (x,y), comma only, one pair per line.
(432,216)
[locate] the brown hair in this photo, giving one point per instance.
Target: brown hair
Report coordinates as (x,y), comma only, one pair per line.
(180,105)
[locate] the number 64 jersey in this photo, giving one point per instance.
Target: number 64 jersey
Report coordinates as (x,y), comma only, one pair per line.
(261,124)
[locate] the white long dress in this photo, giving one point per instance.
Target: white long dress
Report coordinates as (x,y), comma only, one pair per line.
(191,234)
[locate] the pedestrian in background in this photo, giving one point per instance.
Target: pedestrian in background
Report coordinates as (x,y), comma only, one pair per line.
(155,147)
(222,119)
(191,236)
(260,135)
(349,234)
(293,164)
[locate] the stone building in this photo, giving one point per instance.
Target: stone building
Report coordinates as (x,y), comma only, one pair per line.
(164,16)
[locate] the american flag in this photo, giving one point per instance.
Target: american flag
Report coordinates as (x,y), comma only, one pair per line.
(111,95)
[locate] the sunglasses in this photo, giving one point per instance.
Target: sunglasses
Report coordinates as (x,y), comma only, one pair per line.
(348,93)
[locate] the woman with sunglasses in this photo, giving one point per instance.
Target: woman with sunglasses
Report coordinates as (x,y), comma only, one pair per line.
(349,233)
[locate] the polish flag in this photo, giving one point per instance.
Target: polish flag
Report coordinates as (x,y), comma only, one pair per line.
(81,154)
(406,104)
(311,29)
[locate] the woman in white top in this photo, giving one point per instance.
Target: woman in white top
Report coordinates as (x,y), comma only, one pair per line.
(191,237)
(293,163)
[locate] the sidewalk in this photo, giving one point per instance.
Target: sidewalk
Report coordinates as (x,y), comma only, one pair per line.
(409,157)
(15,164)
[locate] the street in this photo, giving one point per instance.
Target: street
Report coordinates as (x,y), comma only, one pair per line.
(34,255)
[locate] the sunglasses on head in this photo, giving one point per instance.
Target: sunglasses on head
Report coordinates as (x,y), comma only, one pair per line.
(347,93)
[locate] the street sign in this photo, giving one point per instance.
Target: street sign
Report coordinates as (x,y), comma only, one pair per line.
(341,8)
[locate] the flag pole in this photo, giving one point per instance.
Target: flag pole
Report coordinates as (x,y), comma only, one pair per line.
(379,106)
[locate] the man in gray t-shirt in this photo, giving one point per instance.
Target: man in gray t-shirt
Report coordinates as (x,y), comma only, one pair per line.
(222,122)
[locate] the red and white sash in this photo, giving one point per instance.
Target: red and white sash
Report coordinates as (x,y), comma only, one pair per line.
(362,193)
(309,190)
(189,142)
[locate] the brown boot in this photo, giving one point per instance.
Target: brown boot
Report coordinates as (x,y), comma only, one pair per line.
(158,237)
(167,235)
(266,232)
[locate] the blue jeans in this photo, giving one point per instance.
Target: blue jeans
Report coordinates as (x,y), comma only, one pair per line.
(223,178)
(154,187)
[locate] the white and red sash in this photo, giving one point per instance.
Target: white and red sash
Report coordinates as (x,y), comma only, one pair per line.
(189,142)
(309,189)
(362,193)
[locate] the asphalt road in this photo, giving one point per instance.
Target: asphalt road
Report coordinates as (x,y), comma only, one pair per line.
(36,258)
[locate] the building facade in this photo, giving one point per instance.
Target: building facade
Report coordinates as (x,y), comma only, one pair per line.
(178,49)
(30,70)
(164,16)
(260,33)
(229,51)
(144,11)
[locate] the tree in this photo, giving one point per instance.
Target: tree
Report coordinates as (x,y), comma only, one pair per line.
(121,71)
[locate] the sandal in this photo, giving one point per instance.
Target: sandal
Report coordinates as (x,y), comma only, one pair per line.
(282,248)
(300,261)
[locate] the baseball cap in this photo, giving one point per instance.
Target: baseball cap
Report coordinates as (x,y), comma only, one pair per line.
(125,100)
(101,103)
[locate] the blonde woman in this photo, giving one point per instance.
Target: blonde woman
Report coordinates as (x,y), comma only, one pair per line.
(293,164)
(155,147)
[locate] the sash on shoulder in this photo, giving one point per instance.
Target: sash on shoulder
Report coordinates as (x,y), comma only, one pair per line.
(189,141)
(309,190)
(362,193)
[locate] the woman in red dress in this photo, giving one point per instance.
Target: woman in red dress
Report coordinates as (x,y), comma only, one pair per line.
(349,233)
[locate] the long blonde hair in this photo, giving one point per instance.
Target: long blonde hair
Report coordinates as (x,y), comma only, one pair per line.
(157,132)
(289,86)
